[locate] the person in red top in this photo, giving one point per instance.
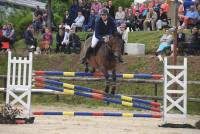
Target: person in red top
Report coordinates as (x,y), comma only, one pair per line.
(165,7)
(47,40)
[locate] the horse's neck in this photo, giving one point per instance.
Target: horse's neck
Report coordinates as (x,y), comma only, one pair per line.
(105,51)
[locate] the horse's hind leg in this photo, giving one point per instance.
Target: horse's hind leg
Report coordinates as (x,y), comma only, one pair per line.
(107,82)
(86,67)
(113,82)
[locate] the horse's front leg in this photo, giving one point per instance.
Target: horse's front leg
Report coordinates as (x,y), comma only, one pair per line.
(114,78)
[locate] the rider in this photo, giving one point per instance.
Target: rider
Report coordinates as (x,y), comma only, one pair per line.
(104,27)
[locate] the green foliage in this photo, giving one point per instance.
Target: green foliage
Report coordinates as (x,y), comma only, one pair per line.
(57,19)
(59,7)
(20,20)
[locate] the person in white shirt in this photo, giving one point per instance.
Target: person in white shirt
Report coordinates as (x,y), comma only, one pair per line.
(123,31)
(120,16)
(78,21)
(166,41)
(66,36)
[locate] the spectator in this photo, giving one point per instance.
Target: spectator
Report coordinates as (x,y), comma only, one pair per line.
(47,40)
(86,10)
(191,17)
(150,20)
(78,21)
(165,42)
(130,19)
(143,9)
(66,19)
(111,9)
(91,23)
(194,40)
(10,34)
(123,31)
(29,38)
(165,6)
(120,16)
(74,42)
(59,38)
(65,42)
(162,20)
(38,11)
(139,19)
(157,6)
(105,4)
(96,5)
(38,24)
(73,10)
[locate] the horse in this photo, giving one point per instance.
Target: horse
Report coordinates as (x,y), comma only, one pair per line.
(106,58)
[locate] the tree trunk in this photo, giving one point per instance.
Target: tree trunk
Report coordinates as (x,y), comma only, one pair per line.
(49,21)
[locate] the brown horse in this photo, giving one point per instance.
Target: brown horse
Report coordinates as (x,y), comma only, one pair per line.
(106,58)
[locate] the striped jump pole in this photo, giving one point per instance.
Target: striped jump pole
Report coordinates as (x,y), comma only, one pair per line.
(97,97)
(99,74)
(86,89)
(113,114)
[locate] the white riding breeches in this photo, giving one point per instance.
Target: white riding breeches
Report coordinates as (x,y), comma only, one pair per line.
(94,41)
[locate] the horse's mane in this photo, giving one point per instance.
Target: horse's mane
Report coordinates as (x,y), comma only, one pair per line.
(117,35)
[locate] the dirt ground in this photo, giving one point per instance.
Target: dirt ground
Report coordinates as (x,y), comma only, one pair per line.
(91,125)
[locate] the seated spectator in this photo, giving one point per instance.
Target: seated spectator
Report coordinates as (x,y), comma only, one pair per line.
(78,21)
(164,6)
(165,42)
(193,41)
(74,43)
(10,34)
(91,23)
(66,19)
(65,42)
(143,8)
(29,38)
(162,20)
(180,39)
(122,30)
(46,41)
(139,19)
(130,20)
(120,16)
(96,5)
(105,4)
(5,45)
(150,20)
(191,17)
(111,9)
(59,38)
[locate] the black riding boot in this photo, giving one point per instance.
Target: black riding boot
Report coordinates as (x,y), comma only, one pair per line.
(87,55)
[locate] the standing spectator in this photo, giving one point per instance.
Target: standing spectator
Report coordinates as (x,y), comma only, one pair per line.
(105,4)
(66,19)
(91,23)
(134,8)
(120,16)
(38,11)
(59,38)
(78,21)
(29,38)
(162,20)
(73,10)
(123,31)
(111,9)
(150,20)
(96,5)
